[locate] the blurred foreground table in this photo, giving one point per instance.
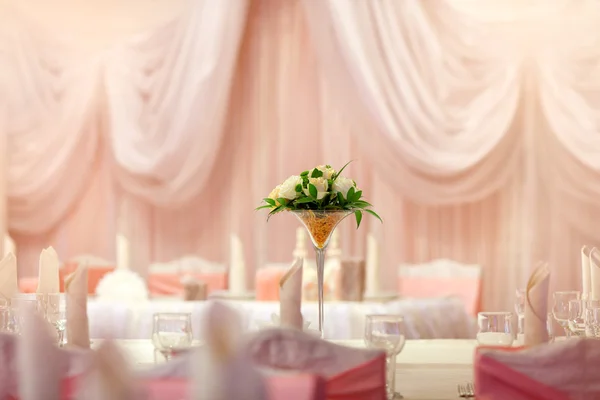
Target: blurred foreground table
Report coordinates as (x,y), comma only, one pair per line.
(426,370)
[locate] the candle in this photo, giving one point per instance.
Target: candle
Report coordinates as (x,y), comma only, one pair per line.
(122,252)
(372,284)
(237,267)
(586,271)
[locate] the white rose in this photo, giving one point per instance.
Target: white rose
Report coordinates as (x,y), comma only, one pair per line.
(326,170)
(275,193)
(288,188)
(342,185)
(321,185)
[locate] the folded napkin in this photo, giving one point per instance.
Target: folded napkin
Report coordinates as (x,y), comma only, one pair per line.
(594,261)
(221,372)
(558,371)
(536,306)
(41,364)
(48,280)
(290,297)
(8,277)
(76,298)
(351,373)
(109,378)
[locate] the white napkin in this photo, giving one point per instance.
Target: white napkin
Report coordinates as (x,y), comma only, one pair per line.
(8,277)
(594,260)
(220,371)
(290,296)
(48,280)
(41,364)
(586,283)
(237,266)
(536,306)
(76,286)
(110,377)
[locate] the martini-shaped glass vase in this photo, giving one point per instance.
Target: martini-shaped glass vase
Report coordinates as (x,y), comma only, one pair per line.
(320,225)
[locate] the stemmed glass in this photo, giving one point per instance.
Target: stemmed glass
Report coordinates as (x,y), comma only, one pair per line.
(386,332)
(592,318)
(19,304)
(560,311)
(55,313)
(172,333)
(495,328)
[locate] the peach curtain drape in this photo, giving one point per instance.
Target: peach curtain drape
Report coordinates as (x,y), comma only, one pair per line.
(475,133)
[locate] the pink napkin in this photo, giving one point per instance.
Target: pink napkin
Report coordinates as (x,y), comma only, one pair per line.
(109,377)
(41,364)
(76,298)
(351,373)
(536,306)
(8,277)
(220,371)
(290,297)
(48,279)
(557,371)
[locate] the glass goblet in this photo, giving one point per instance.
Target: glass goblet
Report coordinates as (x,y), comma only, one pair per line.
(387,333)
(560,310)
(576,321)
(172,332)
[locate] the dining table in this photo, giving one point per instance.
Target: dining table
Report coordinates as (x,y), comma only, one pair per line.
(428,369)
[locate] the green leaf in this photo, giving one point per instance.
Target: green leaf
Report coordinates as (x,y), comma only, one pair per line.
(340,197)
(362,204)
(358,215)
(265,206)
(340,171)
(304,200)
(275,211)
(282,201)
(298,188)
(312,189)
(373,213)
(350,195)
(304,173)
(316,173)
(357,196)
(270,201)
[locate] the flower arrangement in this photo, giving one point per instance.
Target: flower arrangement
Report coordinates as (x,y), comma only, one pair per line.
(319,189)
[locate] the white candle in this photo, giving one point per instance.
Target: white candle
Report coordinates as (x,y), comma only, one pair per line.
(237,267)
(372,284)
(586,271)
(122,252)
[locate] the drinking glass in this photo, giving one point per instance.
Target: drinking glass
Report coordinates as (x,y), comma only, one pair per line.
(495,328)
(19,304)
(386,332)
(172,332)
(576,321)
(55,311)
(5,317)
(560,310)
(592,321)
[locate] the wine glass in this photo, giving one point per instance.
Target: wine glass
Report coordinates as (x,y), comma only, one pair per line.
(495,328)
(55,311)
(592,320)
(520,298)
(172,332)
(21,303)
(386,332)
(560,311)
(576,322)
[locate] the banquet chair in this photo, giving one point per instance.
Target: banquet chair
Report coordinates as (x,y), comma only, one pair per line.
(166,279)
(442,277)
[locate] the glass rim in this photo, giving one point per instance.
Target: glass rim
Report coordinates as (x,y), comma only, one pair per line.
(172,314)
(384,316)
(494,313)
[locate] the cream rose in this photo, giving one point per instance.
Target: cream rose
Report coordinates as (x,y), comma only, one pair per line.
(321,185)
(275,193)
(327,171)
(342,185)
(288,188)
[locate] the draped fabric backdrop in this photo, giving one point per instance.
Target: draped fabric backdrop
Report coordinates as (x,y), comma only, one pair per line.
(474,127)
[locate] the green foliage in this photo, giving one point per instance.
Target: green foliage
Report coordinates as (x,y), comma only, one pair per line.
(307,197)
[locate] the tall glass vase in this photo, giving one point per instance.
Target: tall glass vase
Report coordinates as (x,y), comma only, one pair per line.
(320,225)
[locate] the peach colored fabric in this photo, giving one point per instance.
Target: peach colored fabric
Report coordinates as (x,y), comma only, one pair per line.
(164,284)
(467,289)
(95,273)
(267,283)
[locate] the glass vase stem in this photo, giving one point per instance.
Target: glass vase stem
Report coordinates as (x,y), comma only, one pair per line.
(320,253)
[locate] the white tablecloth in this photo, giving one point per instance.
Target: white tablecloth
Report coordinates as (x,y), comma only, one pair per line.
(424,318)
(426,369)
